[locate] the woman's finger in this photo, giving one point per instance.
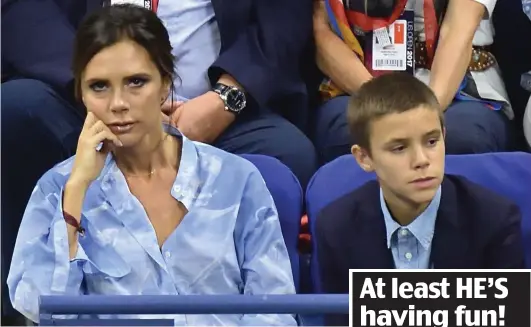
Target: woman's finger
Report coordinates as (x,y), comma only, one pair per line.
(97,127)
(90,120)
(107,146)
(105,135)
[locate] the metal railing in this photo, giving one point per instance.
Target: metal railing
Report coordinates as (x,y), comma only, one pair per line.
(302,304)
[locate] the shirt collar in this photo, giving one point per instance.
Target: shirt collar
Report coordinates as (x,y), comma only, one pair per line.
(422,227)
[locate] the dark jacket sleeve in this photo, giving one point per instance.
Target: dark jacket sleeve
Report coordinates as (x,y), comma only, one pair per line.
(332,281)
(265,56)
(37,41)
(506,249)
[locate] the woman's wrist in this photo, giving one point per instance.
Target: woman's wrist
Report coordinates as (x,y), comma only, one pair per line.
(77,185)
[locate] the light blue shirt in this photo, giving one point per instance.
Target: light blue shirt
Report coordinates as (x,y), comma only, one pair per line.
(196,42)
(411,244)
(230,242)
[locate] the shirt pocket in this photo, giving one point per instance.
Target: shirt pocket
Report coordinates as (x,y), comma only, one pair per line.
(116,269)
(103,260)
(108,274)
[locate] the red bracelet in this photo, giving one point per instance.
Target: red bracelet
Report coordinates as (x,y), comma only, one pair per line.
(70,220)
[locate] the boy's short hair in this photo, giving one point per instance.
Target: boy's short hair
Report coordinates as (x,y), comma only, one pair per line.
(395,92)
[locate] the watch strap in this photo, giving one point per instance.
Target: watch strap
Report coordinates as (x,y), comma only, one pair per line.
(223,90)
(220,88)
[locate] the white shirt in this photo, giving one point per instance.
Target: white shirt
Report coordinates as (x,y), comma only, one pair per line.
(196,42)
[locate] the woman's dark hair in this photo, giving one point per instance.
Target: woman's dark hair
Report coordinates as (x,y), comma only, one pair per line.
(113,24)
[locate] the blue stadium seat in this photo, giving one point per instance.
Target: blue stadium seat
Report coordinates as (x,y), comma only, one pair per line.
(505,173)
(288,197)
(49,306)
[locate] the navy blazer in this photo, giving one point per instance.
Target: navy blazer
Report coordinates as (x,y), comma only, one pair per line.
(475,229)
(262,42)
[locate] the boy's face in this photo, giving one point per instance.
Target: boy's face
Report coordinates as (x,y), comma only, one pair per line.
(407,154)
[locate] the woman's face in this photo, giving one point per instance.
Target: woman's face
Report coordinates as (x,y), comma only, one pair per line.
(123,88)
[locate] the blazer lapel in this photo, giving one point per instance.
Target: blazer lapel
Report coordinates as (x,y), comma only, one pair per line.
(368,248)
(217,5)
(450,245)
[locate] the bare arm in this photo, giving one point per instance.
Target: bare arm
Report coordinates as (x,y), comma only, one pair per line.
(454,50)
(73,197)
(334,58)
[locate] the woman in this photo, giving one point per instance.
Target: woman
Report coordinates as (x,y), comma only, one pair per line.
(141,209)
(451,40)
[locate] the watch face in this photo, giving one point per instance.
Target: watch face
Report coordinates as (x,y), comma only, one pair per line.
(236,99)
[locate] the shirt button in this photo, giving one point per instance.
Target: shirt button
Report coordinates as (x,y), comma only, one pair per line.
(403,232)
(408,256)
(168,254)
(177,188)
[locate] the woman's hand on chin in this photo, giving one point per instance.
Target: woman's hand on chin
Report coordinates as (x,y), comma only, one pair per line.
(90,158)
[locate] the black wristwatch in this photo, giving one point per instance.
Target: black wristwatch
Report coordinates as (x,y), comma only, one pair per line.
(233,98)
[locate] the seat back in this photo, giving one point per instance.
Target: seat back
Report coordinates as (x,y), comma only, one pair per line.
(508,174)
(288,197)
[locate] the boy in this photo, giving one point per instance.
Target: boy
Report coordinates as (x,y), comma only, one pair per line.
(413,216)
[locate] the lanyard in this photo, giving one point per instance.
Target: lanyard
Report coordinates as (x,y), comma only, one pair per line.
(369,23)
(151,5)
(148,4)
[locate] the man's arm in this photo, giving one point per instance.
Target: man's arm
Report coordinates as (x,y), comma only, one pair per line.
(334,58)
(37,41)
(338,62)
(454,49)
(264,58)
